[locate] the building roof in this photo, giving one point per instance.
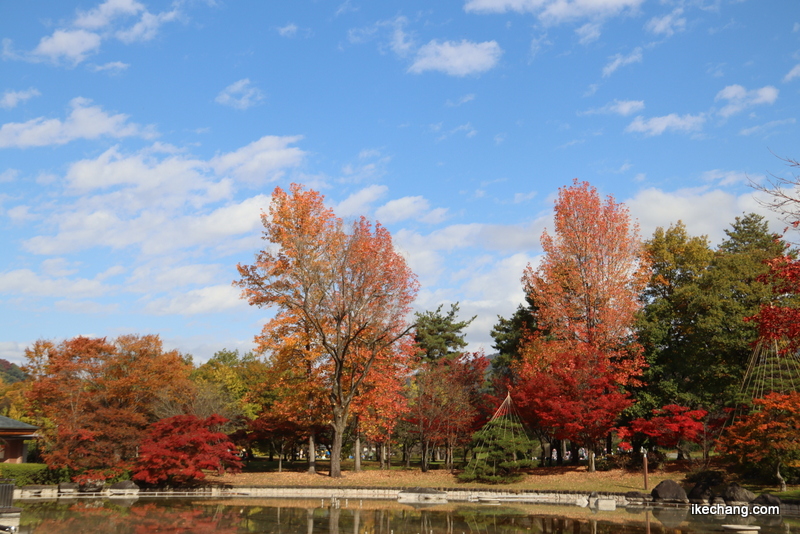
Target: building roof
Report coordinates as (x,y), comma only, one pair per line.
(6,423)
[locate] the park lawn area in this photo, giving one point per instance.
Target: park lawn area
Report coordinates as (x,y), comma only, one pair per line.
(566,478)
(546,478)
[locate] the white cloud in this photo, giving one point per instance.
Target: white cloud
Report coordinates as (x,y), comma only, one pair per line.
(467,128)
(589,32)
(11,99)
(74,45)
(618,107)
(27,282)
(147,28)
(112,66)
(105,13)
(618,60)
(398,41)
(765,128)
(523,197)
(792,74)
(240,95)
(84,122)
(725,178)
(402,208)
(739,98)
(671,122)
(290,30)
(461,101)
(260,161)
(457,58)
(556,11)
(20,214)
(359,202)
(655,207)
(209,299)
(8,175)
(667,25)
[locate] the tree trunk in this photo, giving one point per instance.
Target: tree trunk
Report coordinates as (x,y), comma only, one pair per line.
(357,453)
(780,477)
(339,426)
(312,455)
(424,466)
(382,448)
(407,455)
(591,459)
(389,455)
(280,459)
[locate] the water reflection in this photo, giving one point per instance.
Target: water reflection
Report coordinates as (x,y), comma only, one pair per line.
(350,517)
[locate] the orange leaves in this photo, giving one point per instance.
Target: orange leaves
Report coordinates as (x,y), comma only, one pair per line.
(95,397)
(588,284)
(342,292)
(771,433)
(594,268)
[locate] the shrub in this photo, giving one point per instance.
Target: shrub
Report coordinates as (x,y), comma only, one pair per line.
(27,474)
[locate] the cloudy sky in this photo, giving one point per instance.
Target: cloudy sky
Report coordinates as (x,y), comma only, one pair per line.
(139,141)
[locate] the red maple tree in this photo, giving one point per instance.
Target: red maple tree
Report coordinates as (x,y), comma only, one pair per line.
(669,427)
(179,450)
(586,289)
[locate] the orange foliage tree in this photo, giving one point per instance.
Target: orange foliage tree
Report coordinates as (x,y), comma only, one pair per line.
(769,436)
(95,398)
(342,284)
(587,291)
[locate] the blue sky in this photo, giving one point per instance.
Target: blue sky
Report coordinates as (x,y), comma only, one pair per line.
(141,140)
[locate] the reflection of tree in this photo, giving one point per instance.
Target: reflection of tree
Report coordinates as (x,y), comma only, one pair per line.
(203,517)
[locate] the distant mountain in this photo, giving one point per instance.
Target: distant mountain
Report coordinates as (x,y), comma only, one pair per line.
(11,373)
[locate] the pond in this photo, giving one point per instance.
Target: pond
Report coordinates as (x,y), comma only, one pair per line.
(310,516)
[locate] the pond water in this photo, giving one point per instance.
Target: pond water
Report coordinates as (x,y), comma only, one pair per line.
(313,516)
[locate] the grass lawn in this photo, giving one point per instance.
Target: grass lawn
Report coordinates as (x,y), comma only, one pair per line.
(575,478)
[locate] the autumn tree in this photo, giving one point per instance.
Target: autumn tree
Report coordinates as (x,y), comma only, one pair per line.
(179,449)
(95,398)
(669,427)
(586,289)
(768,437)
(343,284)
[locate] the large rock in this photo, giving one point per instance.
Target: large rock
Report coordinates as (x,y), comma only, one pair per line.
(767,499)
(669,491)
(735,494)
(124,488)
(701,494)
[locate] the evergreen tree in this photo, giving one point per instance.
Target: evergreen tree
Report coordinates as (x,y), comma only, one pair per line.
(509,334)
(439,335)
(502,450)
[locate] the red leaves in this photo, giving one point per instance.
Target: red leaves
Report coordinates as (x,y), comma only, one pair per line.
(671,425)
(576,396)
(94,398)
(781,319)
(179,449)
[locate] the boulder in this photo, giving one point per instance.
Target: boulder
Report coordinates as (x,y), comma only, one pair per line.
(124,485)
(767,499)
(735,494)
(92,486)
(701,494)
(669,491)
